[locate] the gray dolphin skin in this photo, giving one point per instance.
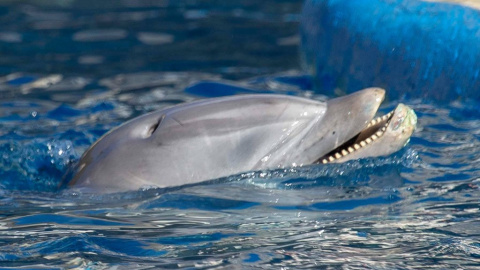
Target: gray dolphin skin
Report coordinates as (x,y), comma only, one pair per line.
(213,138)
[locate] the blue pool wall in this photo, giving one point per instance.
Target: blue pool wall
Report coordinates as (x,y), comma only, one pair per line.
(412,48)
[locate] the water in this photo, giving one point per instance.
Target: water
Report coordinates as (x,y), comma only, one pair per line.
(71,72)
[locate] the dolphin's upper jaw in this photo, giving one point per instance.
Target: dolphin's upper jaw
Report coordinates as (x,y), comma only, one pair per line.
(362,144)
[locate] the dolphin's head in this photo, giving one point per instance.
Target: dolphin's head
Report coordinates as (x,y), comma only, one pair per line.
(382,136)
(345,118)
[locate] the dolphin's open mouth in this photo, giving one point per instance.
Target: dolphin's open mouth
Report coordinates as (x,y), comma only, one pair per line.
(375,129)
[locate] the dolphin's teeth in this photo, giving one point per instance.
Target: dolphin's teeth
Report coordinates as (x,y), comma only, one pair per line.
(384,128)
(350,149)
(357,146)
(344,152)
(379,133)
(337,155)
(324,161)
(380,119)
(330,158)
(363,143)
(374,137)
(368,140)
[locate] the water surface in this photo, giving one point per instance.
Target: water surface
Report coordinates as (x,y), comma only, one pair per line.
(72,70)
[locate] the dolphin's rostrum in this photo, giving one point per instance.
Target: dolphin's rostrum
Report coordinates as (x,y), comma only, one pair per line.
(213,138)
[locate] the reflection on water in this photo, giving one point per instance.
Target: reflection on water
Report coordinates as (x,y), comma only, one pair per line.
(104,38)
(70,73)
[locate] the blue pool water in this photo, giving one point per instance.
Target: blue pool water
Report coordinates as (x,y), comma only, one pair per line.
(72,70)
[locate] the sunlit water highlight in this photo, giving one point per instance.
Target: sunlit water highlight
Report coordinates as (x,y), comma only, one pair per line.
(415,209)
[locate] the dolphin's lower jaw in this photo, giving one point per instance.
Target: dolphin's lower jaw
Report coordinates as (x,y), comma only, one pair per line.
(382,136)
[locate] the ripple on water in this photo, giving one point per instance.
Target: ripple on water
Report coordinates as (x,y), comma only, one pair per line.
(100,35)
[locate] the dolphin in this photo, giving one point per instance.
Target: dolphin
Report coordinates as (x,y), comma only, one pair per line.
(218,137)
